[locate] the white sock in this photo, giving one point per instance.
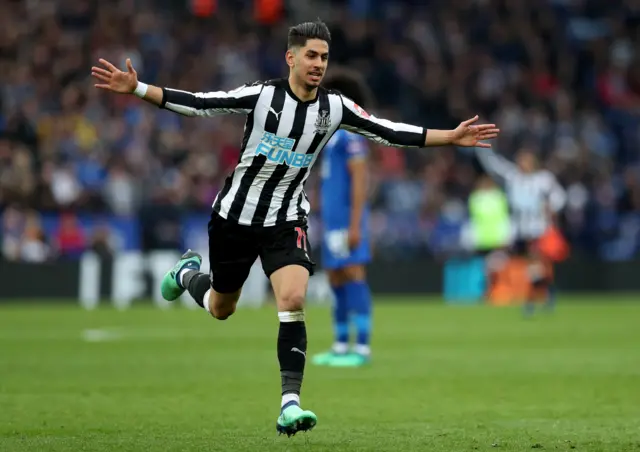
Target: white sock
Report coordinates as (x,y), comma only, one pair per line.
(181,276)
(205,302)
(340,347)
(290,398)
(291,316)
(363,350)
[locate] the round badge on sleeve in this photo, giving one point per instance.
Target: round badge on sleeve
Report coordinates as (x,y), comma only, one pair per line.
(361,110)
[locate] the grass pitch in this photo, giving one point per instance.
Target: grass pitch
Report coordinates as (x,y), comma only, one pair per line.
(443,379)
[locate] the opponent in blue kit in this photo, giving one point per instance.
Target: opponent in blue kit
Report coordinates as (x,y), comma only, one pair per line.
(345,243)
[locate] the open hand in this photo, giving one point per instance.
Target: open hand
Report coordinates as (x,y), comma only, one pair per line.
(468,135)
(114,79)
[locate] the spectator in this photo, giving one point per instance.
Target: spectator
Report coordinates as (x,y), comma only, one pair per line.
(556,78)
(70,237)
(34,246)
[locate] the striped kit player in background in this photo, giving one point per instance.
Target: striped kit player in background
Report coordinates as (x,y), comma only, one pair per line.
(535,199)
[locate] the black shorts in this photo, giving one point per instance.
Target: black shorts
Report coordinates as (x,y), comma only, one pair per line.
(233,248)
(524,247)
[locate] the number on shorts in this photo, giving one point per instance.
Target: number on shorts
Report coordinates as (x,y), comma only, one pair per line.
(302,238)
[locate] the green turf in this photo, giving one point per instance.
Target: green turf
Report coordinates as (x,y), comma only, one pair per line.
(443,379)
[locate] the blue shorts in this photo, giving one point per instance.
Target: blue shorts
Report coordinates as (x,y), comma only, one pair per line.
(336,253)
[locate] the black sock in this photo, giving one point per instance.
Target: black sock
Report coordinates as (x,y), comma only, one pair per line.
(292,351)
(197,284)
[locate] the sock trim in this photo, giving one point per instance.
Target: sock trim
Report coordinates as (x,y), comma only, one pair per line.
(290,399)
(181,276)
(205,300)
(291,316)
(340,347)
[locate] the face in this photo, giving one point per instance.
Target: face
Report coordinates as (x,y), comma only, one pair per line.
(309,63)
(527,162)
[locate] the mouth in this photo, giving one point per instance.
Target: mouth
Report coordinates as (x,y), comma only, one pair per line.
(315,76)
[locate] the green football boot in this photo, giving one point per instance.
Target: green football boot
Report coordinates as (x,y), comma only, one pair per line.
(171,287)
(323,359)
(349,360)
(294,419)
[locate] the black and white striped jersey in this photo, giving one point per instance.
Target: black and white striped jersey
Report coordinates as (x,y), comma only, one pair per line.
(282,139)
(529,194)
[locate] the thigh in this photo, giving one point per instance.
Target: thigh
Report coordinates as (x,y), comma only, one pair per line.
(281,246)
(336,276)
(355,272)
(232,252)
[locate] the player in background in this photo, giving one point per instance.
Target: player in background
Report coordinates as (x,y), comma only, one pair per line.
(345,243)
(535,199)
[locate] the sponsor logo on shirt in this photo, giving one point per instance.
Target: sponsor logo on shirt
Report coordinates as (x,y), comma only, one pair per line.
(280,150)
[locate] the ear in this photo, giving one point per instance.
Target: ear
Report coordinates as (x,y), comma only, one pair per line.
(290,57)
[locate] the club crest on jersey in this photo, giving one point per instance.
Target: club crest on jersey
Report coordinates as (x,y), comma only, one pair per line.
(323,122)
(280,150)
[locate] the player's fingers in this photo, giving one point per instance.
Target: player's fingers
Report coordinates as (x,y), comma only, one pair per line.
(483,145)
(482,133)
(490,131)
(101,77)
(486,127)
(130,66)
(100,70)
(488,136)
(109,66)
(470,121)
(102,86)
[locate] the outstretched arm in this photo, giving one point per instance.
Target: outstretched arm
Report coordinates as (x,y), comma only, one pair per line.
(240,100)
(355,119)
(497,166)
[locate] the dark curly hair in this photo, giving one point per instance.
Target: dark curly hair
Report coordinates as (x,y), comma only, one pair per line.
(350,84)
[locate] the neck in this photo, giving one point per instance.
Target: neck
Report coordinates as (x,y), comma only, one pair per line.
(301,91)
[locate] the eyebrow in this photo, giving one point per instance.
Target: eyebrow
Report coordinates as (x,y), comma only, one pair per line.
(318,53)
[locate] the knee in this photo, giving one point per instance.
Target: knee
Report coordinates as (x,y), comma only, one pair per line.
(222,313)
(291,301)
(222,306)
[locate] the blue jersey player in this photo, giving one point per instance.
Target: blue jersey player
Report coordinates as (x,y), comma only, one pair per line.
(345,243)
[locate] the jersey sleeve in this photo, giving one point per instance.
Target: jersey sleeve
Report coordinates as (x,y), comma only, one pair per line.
(395,134)
(241,100)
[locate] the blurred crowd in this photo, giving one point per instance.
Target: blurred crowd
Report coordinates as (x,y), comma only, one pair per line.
(559,77)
